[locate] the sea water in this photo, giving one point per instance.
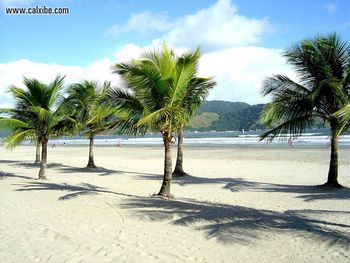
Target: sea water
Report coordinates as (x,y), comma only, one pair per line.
(229,138)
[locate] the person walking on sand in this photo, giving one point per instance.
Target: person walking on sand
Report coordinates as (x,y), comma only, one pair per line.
(290,142)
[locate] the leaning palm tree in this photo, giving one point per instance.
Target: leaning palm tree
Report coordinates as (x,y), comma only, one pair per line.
(323,68)
(83,105)
(153,95)
(43,115)
(196,92)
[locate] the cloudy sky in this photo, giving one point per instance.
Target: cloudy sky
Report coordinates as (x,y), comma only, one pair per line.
(241,40)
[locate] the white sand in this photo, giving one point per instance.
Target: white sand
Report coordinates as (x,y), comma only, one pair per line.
(240,205)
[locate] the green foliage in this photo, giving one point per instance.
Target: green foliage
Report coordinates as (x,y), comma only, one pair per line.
(344,119)
(222,107)
(224,116)
(249,117)
(203,120)
(37,114)
(83,105)
(161,91)
(323,68)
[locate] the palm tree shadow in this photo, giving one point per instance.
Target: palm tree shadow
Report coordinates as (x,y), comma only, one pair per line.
(233,184)
(74,191)
(4,175)
(98,170)
(35,165)
(8,161)
(71,169)
(309,193)
(239,224)
(306,192)
(20,163)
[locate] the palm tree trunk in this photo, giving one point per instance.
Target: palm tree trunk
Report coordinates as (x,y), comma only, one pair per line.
(91,163)
(333,165)
(37,154)
(165,188)
(178,171)
(43,159)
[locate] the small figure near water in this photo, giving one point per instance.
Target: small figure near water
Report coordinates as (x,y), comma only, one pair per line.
(290,142)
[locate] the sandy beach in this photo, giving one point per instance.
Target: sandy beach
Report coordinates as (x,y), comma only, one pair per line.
(238,205)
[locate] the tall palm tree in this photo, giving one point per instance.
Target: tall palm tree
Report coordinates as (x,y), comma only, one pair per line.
(196,92)
(323,68)
(83,105)
(153,95)
(43,116)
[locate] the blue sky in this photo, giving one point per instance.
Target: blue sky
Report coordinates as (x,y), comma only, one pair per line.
(241,40)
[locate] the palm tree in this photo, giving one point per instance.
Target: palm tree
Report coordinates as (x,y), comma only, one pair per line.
(21,113)
(154,91)
(323,68)
(41,117)
(196,93)
(83,105)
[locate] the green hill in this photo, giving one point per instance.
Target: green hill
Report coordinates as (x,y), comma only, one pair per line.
(204,120)
(224,115)
(222,107)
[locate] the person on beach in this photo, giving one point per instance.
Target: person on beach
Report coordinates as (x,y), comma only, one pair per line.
(290,142)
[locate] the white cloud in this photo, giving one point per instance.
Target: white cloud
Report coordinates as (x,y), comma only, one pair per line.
(239,72)
(12,74)
(331,7)
(215,27)
(142,23)
(128,52)
(218,26)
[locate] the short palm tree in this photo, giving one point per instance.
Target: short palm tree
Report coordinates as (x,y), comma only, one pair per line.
(196,92)
(323,68)
(154,91)
(42,116)
(27,124)
(83,105)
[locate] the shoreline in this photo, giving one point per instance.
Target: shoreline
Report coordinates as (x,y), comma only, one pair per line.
(209,146)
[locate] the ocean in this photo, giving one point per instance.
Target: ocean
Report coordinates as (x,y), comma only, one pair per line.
(315,137)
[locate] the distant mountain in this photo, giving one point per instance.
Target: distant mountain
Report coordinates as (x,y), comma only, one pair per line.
(222,107)
(224,115)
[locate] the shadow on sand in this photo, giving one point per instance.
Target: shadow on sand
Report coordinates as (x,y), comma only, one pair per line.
(309,193)
(98,170)
(71,169)
(4,175)
(226,223)
(229,223)
(74,191)
(306,192)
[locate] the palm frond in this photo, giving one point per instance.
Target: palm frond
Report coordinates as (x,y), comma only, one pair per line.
(292,127)
(343,116)
(15,138)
